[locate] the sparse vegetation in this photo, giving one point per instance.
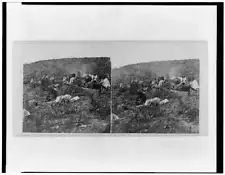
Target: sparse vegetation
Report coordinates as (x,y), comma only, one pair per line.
(179,115)
(81,116)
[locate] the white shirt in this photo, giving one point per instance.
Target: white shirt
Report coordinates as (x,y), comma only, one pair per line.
(153,100)
(106,83)
(194,84)
(52,78)
(72,80)
(161,82)
(26,113)
(64,78)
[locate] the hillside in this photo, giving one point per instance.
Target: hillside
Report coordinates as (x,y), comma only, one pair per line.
(60,67)
(89,114)
(179,115)
(189,68)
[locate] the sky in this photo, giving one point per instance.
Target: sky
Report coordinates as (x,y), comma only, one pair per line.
(121,53)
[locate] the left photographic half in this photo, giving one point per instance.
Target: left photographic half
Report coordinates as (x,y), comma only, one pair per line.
(65,94)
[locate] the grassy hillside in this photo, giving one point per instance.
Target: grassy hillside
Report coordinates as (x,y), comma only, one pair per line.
(179,115)
(65,117)
(149,70)
(60,67)
(89,114)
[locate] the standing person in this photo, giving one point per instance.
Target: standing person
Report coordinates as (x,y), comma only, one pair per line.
(154,82)
(44,82)
(94,81)
(43,77)
(133,87)
(182,81)
(72,78)
(109,78)
(161,81)
(32,80)
(78,81)
(141,84)
(78,74)
(32,83)
(65,78)
(52,79)
(94,78)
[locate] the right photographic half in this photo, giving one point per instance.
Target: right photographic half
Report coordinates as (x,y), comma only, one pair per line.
(156,87)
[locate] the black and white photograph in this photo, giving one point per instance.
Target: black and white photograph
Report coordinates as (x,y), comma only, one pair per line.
(64,95)
(155,87)
(158,96)
(127,88)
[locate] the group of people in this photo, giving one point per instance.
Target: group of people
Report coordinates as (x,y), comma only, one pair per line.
(171,83)
(53,83)
(176,82)
(139,87)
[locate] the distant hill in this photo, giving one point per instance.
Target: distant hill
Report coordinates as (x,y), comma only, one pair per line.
(60,67)
(150,70)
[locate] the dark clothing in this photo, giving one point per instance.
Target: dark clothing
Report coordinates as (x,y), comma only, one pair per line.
(88,79)
(44,84)
(141,98)
(78,82)
(52,94)
(97,86)
(133,88)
